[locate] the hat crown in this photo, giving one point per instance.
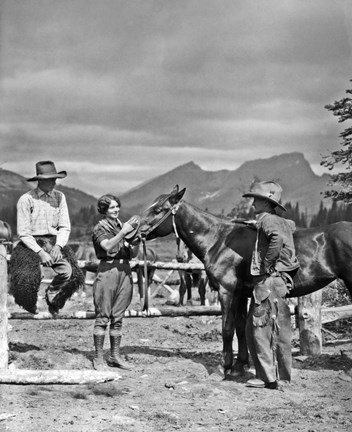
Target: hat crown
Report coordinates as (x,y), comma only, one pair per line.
(45,167)
(47,170)
(268,189)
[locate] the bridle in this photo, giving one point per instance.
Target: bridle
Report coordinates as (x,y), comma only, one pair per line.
(172,210)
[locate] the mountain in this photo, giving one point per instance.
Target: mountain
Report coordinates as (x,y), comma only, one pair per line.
(220,191)
(13,185)
(216,191)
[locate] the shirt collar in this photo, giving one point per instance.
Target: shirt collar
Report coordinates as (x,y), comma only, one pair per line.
(42,193)
(260,216)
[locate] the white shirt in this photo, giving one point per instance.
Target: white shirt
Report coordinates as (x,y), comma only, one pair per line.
(40,213)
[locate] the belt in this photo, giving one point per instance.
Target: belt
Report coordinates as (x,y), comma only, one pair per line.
(116,260)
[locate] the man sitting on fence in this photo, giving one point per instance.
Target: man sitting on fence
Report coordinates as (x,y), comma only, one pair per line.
(43,228)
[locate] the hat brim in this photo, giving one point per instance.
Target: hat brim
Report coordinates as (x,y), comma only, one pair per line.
(254,195)
(132,234)
(61,174)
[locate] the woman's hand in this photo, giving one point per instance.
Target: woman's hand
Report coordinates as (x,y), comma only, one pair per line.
(130,225)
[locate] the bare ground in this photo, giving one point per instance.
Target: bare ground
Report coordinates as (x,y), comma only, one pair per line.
(176,382)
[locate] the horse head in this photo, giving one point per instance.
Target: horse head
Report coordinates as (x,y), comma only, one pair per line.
(156,220)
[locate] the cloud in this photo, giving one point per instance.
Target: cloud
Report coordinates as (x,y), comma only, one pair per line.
(124,90)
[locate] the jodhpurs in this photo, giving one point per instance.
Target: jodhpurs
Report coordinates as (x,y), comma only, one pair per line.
(112,293)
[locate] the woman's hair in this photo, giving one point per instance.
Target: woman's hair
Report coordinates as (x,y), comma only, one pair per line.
(105,201)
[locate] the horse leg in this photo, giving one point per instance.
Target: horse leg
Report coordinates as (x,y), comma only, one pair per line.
(150,276)
(228,329)
(182,289)
(348,285)
(201,289)
(242,359)
(140,282)
(189,285)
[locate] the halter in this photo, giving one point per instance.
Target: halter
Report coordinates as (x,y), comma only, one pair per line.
(173,211)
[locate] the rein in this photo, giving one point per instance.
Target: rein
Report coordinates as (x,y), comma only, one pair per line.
(146,288)
(144,235)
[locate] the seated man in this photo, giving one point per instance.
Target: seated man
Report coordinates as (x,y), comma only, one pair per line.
(43,228)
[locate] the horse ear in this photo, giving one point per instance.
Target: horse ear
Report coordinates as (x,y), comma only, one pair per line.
(176,195)
(174,190)
(179,195)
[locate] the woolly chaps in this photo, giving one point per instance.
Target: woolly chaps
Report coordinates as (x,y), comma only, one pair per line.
(25,278)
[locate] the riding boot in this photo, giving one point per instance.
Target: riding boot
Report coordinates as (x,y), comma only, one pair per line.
(98,361)
(115,358)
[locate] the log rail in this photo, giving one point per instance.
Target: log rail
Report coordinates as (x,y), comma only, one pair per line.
(307,308)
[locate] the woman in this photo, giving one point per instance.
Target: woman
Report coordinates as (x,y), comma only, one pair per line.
(115,244)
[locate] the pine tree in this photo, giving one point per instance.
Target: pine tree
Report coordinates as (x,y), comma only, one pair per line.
(320,218)
(343,180)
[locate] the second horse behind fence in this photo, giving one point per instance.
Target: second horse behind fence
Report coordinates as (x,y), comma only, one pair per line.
(193,278)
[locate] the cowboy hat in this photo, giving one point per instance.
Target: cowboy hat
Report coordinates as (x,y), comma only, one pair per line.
(46,170)
(135,222)
(268,190)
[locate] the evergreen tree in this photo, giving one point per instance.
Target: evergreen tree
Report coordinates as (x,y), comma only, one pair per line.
(334,214)
(320,218)
(343,180)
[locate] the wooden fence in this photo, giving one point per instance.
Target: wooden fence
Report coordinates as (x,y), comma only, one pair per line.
(310,317)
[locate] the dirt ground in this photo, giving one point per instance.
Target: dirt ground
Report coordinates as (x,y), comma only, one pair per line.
(176,382)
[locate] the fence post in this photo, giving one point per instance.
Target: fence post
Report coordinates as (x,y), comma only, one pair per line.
(4,349)
(309,323)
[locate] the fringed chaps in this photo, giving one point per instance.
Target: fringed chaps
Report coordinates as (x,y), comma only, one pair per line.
(268,333)
(25,278)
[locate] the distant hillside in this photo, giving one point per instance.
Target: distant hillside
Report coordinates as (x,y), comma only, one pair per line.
(216,191)
(13,185)
(219,191)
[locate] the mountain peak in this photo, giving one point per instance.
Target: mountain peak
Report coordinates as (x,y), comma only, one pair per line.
(219,191)
(189,166)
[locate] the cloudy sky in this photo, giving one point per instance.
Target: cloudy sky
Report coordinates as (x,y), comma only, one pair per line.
(119,91)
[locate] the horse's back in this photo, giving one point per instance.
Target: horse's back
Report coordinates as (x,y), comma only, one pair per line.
(324,254)
(330,235)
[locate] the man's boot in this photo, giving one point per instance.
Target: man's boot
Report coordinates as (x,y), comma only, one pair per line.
(98,361)
(49,297)
(115,358)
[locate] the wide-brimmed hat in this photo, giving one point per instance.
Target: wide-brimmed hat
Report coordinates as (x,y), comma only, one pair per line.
(135,222)
(47,170)
(269,190)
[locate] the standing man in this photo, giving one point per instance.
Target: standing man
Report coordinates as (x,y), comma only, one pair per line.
(43,228)
(274,263)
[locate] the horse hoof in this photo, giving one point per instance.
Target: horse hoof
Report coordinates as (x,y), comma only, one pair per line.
(237,373)
(231,374)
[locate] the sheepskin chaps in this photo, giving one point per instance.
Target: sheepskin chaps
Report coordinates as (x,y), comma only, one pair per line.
(25,278)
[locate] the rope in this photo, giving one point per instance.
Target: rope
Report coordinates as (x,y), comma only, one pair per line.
(146,299)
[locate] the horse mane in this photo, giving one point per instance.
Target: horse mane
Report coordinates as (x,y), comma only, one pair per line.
(247,223)
(205,212)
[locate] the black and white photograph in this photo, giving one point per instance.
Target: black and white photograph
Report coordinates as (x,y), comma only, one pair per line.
(175,215)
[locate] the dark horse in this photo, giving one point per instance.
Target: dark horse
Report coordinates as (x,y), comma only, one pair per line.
(225,248)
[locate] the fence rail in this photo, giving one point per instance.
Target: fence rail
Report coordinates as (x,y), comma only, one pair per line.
(325,314)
